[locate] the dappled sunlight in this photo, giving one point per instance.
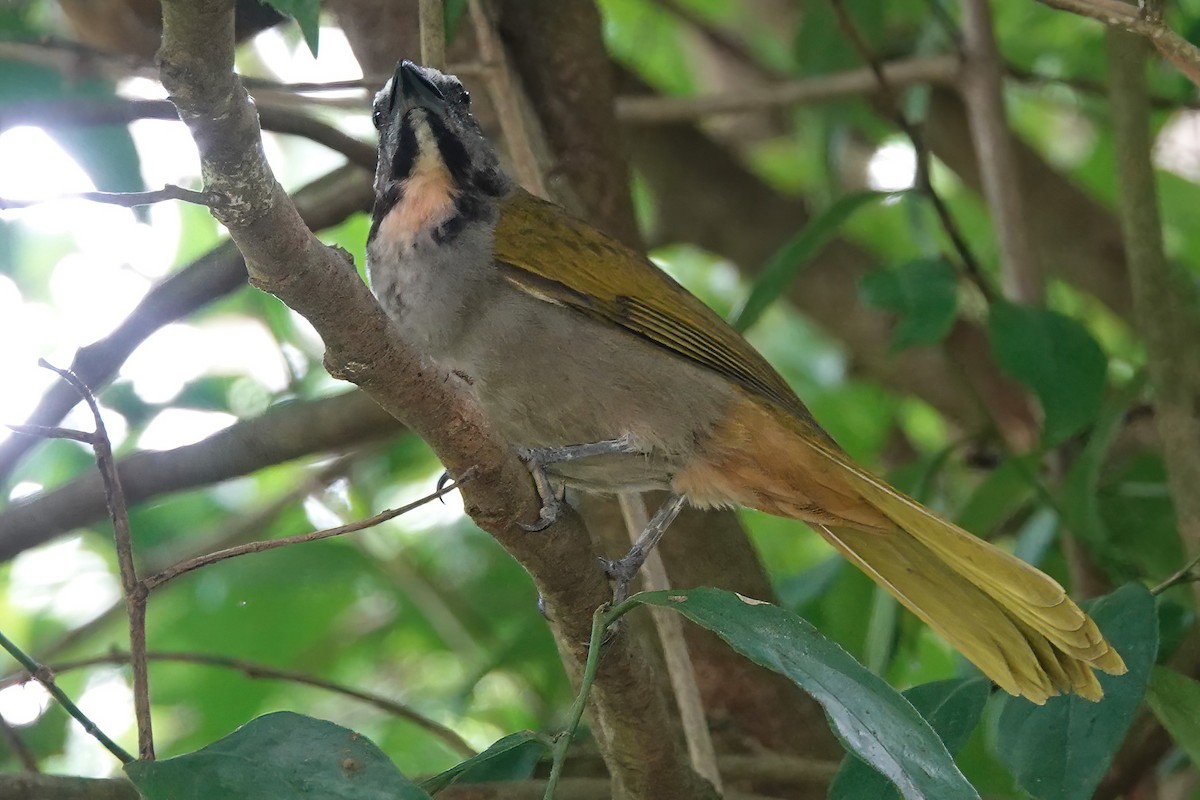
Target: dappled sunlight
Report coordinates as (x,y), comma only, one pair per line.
(64,580)
(177,427)
(24,703)
(291,60)
(893,167)
(107,700)
(24,489)
(35,167)
(181,352)
(92,296)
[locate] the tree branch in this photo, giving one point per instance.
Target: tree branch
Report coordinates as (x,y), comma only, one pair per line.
(287,431)
(123,199)
(256,671)
(1182,54)
(982,90)
(27,786)
(55,787)
(46,679)
(895,111)
(116,111)
(16,744)
(283,257)
(132,588)
(654,109)
(188,565)
(326,201)
(1165,300)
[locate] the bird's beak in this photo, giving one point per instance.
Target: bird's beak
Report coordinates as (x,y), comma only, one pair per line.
(415,89)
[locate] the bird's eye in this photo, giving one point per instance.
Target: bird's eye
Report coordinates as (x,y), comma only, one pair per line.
(377,117)
(465,98)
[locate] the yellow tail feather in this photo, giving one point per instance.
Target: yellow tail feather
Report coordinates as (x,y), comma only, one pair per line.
(1012,621)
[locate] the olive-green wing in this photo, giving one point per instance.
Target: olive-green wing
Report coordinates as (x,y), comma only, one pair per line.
(550,255)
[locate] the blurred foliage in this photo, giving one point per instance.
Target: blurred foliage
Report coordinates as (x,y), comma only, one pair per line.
(429,611)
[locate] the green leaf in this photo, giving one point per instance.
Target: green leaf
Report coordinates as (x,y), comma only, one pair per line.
(1057,358)
(797,591)
(509,759)
(1081,487)
(1061,750)
(1175,700)
(453,11)
(871,718)
(281,756)
(951,707)
(307,14)
(785,263)
(924,293)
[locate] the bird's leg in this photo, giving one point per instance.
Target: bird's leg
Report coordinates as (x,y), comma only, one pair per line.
(538,458)
(625,569)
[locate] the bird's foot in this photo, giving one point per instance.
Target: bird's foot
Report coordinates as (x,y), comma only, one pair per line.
(552,505)
(538,458)
(623,571)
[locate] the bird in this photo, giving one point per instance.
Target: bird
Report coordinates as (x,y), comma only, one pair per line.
(607,376)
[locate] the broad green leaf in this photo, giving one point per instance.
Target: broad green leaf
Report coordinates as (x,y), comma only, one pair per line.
(307,14)
(1061,750)
(924,293)
(1175,700)
(952,708)
(509,759)
(871,718)
(786,262)
(1057,358)
(281,756)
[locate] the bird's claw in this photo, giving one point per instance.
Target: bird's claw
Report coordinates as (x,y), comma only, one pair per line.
(551,508)
(548,514)
(622,572)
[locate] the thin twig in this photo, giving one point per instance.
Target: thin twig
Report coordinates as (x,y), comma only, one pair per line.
(600,622)
(71,57)
(680,669)
(367,83)
(240,530)
(652,109)
(896,113)
(720,38)
(1087,86)
(505,97)
(257,671)
(1182,54)
(183,567)
(53,432)
(134,590)
(285,432)
(17,745)
(432,17)
(45,677)
(324,202)
(1185,574)
(124,199)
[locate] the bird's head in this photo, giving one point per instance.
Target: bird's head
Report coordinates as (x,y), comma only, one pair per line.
(436,171)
